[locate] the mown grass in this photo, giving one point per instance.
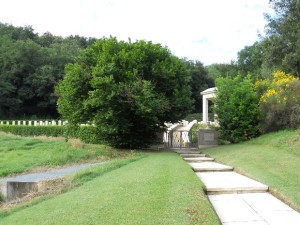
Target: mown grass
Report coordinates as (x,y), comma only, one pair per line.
(20,154)
(62,185)
(157,189)
(273,159)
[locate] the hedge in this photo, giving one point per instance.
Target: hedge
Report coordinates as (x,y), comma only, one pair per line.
(87,134)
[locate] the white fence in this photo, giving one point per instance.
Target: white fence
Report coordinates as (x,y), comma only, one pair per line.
(39,123)
(34,122)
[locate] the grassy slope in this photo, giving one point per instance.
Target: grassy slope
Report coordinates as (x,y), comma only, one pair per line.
(19,154)
(158,189)
(273,159)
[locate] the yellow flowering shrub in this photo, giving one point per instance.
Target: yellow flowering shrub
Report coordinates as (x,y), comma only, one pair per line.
(279,98)
(277,88)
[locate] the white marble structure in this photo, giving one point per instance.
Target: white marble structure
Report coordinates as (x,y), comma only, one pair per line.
(208,95)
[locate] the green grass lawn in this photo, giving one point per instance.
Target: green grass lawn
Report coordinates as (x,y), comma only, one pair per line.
(273,159)
(19,154)
(158,189)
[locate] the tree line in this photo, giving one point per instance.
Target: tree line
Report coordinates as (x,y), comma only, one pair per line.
(129,89)
(278,50)
(32,65)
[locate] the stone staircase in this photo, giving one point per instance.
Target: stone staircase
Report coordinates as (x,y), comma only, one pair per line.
(237,199)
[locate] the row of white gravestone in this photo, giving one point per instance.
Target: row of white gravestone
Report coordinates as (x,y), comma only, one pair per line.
(34,123)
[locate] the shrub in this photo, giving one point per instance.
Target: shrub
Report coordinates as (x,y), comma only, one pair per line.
(50,131)
(279,101)
(237,109)
(87,134)
(128,89)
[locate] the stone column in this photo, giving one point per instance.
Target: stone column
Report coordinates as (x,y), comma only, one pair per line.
(205,110)
(207,95)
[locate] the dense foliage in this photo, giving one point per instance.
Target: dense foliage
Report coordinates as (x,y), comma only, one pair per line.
(84,133)
(280,101)
(222,70)
(31,65)
(237,109)
(200,81)
(128,89)
(280,48)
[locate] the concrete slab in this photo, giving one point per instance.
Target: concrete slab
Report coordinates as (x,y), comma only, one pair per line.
(234,209)
(253,208)
(198,159)
(19,186)
(35,177)
(210,167)
(192,155)
(229,182)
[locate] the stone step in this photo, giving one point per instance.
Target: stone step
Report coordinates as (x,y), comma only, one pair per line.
(192,155)
(253,208)
(210,167)
(186,151)
(198,159)
(229,182)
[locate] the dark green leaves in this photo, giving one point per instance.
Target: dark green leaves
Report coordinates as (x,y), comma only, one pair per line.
(128,89)
(237,109)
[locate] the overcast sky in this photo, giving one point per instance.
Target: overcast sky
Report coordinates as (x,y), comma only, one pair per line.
(211,31)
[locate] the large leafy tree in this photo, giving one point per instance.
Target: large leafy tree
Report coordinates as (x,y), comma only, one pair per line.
(283,44)
(280,49)
(127,89)
(250,61)
(200,81)
(222,70)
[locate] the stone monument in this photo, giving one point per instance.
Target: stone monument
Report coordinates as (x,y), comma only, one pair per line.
(207,138)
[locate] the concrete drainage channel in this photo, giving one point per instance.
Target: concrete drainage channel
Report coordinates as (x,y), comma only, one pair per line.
(19,186)
(238,199)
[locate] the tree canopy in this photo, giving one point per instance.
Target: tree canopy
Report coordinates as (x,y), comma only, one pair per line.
(280,48)
(199,82)
(31,65)
(127,89)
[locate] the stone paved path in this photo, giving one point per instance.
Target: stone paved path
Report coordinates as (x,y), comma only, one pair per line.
(239,200)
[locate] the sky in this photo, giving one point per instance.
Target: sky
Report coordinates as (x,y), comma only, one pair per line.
(210,31)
